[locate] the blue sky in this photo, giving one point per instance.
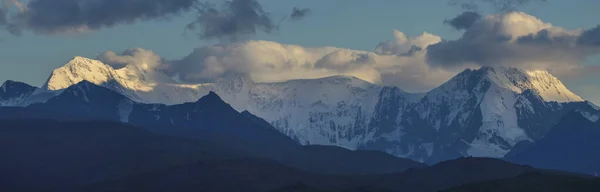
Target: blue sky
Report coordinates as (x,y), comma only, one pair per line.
(355,24)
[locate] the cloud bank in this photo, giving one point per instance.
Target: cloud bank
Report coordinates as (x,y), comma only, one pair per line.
(415,64)
(266,61)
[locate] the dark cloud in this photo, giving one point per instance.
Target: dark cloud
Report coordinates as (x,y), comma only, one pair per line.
(464,21)
(498,5)
(585,43)
(545,37)
(63,16)
(504,53)
(234,20)
(529,43)
(219,19)
(298,14)
(468,50)
(590,37)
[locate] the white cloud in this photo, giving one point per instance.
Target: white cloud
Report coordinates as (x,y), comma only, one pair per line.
(403,44)
(268,61)
(262,60)
(134,56)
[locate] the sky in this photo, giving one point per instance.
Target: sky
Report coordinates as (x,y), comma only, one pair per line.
(364,29)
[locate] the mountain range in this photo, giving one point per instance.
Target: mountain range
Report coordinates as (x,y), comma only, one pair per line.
(207,119)
(482,113)
(329,134)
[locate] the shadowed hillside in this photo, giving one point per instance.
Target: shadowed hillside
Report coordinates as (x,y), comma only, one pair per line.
(534,181)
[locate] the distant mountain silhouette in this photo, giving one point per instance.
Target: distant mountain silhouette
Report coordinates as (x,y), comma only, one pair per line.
(448,174)
(105,156)
(41,154)
(253,176)
(301,187)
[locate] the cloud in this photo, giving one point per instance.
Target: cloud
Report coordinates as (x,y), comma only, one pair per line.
(266,61)
(262,60)
(216,19)
(298,14)
(235,20)
(134,56)
(464,21)
(516,39)
(498,5)
(416,64)
(66,16)
(402,45)
(343,60)
(590,37)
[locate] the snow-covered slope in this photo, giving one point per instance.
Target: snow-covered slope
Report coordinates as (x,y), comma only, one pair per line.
(592,116)
(333,110)
(486,112)
(483,112)
(593,105)
(17,94)
(138,82)
(328,111)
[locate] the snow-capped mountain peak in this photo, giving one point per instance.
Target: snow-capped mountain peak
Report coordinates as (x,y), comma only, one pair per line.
(495,103)
(541,81)
(77,70)
(14,93)
(140,83)
(547,86)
